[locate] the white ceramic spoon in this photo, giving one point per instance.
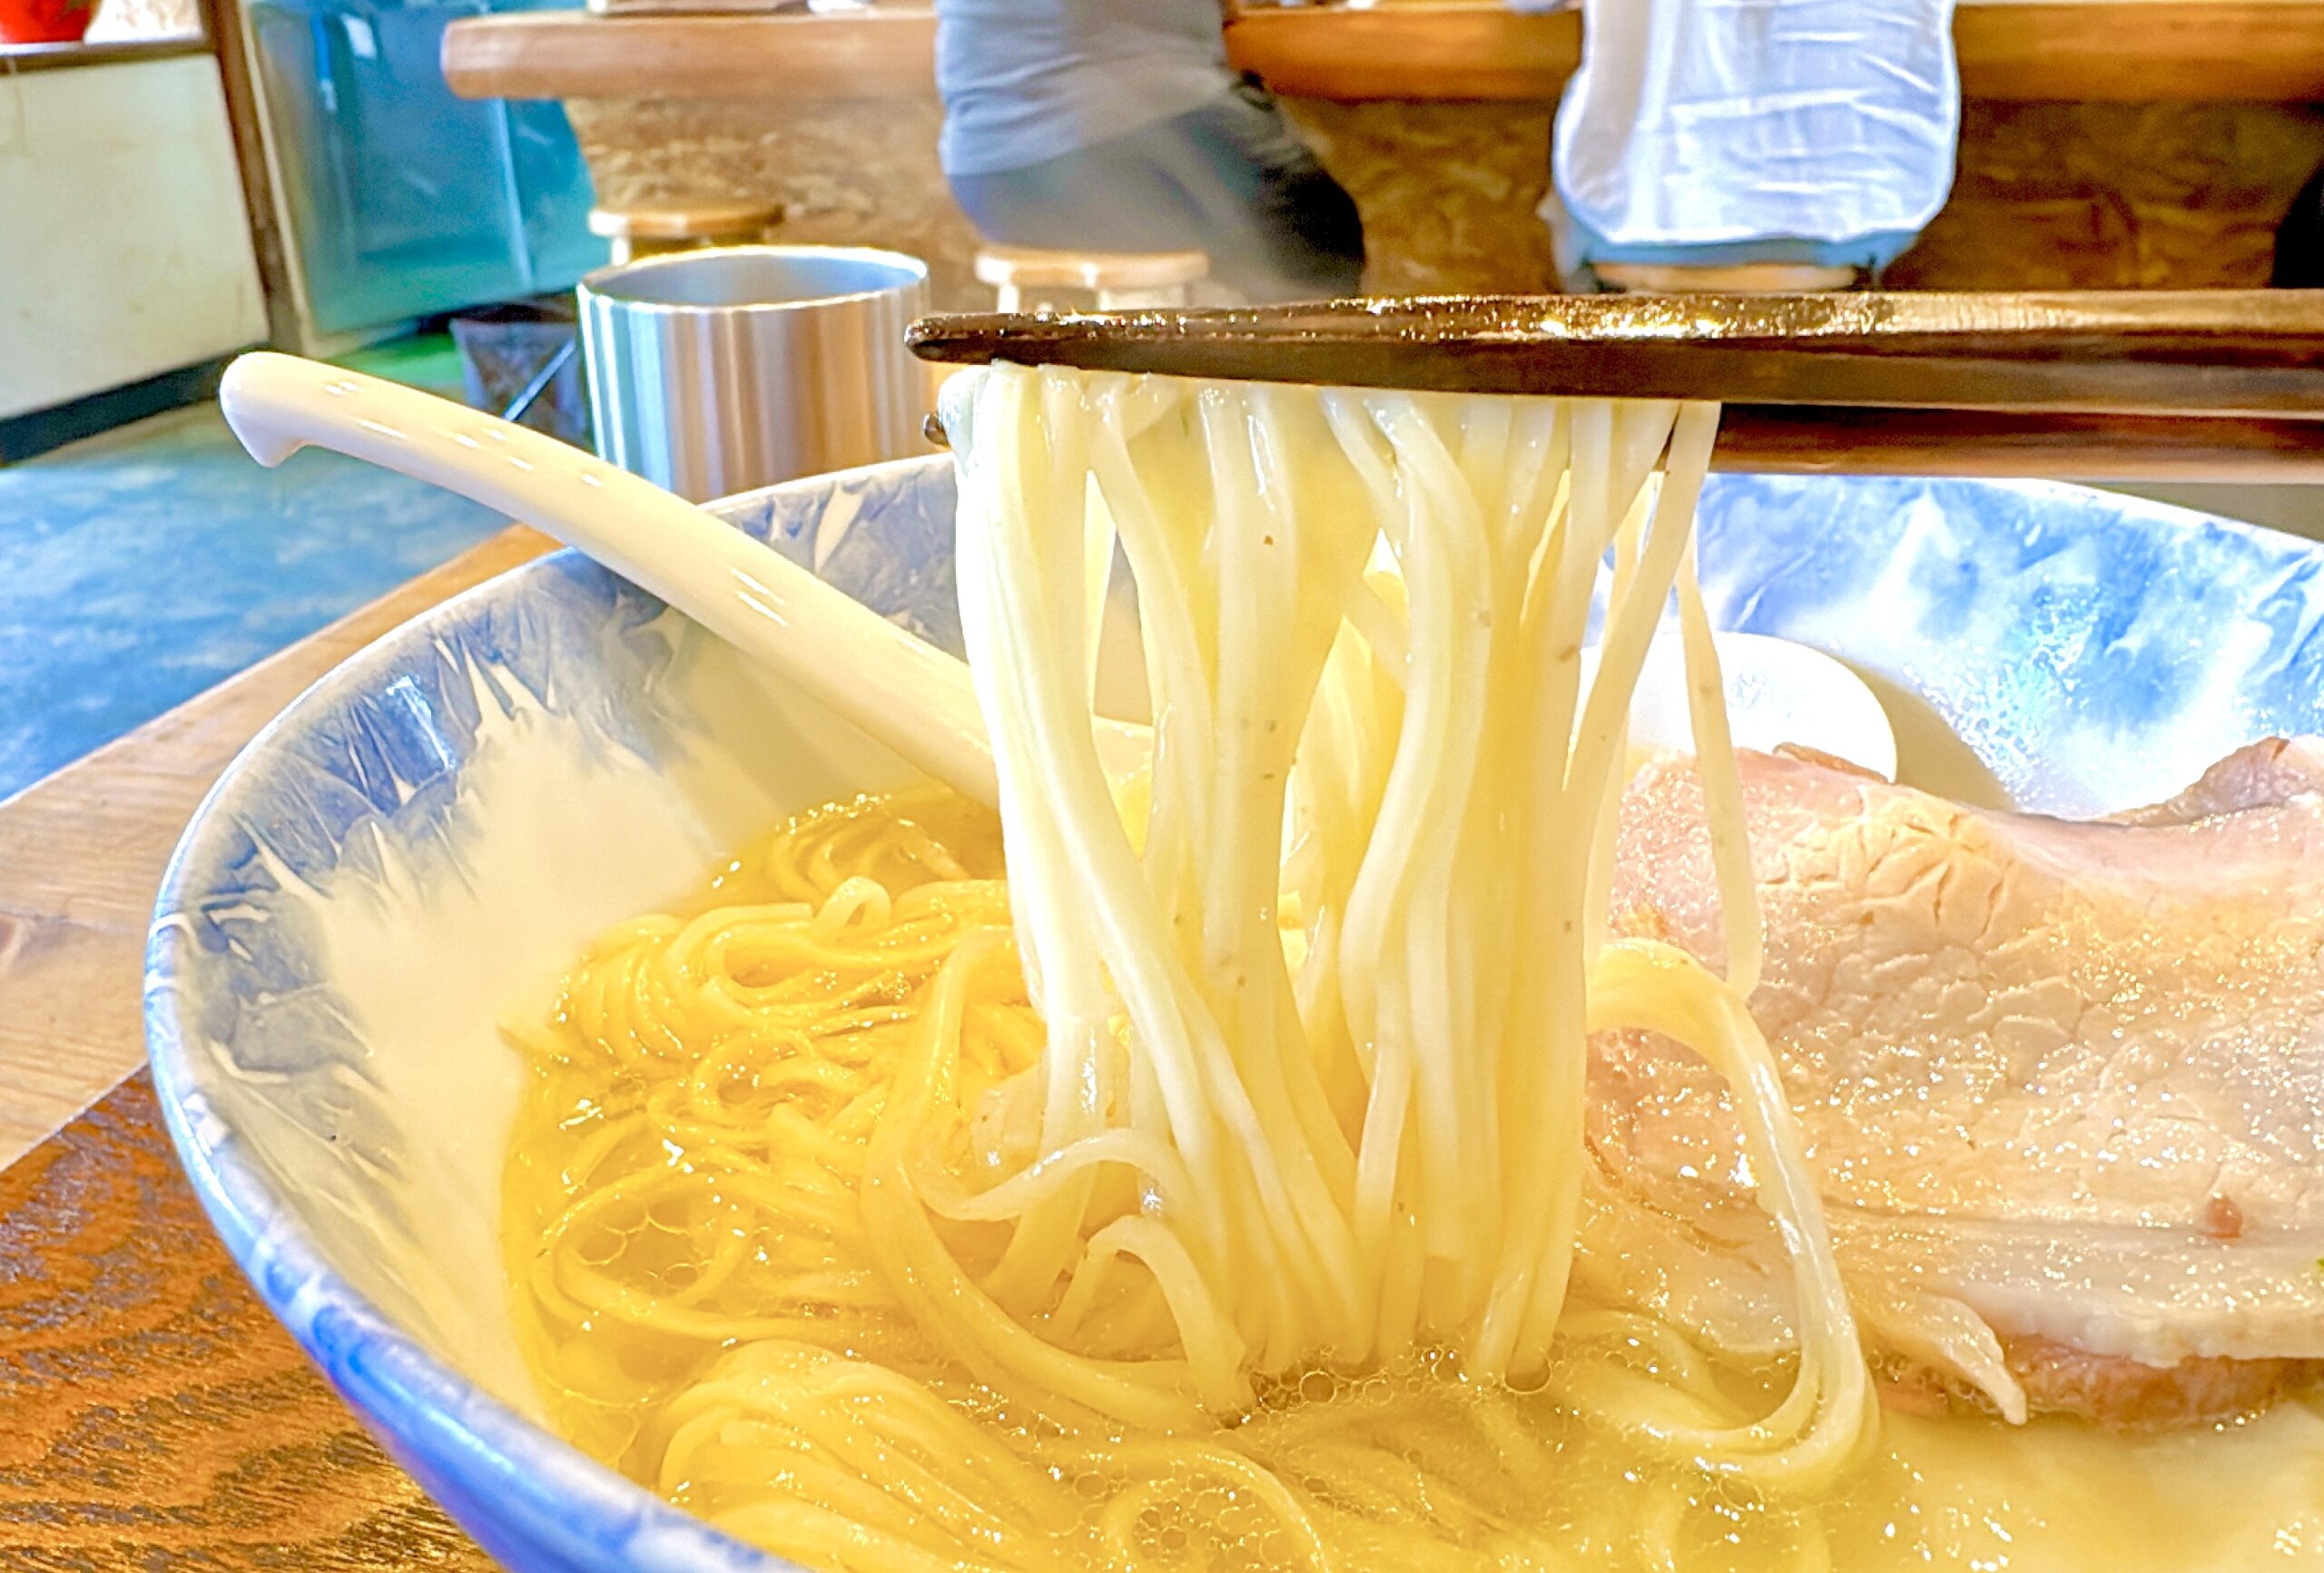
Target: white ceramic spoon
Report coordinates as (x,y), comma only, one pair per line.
(895,686)
(1778,692)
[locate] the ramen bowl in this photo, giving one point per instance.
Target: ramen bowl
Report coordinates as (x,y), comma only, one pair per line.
(422,842)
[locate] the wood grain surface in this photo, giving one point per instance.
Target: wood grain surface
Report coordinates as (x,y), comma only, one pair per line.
(82,854)
(153,1417)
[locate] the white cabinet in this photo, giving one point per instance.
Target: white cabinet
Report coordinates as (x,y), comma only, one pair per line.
(125,243)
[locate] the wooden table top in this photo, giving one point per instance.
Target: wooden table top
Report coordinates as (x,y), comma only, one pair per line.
(2091,51)
(153,1414)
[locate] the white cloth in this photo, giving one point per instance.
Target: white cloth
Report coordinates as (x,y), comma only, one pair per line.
(1698,121)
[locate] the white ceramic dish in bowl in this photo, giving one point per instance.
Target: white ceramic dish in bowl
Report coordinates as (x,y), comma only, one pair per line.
(423,840)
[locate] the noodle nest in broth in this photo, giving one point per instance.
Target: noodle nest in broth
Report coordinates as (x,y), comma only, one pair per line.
(1198,1189)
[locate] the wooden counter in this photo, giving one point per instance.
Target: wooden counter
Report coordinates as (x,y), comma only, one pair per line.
(153,1414)
(2090,51)
(81,853)
(2104,144)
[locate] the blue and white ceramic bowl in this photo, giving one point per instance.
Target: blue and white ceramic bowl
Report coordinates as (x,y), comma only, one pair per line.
(424,840)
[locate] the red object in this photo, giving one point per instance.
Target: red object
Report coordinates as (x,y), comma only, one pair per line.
(45,21)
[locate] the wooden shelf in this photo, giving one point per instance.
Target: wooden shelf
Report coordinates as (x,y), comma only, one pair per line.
(20,57)
(2092,51)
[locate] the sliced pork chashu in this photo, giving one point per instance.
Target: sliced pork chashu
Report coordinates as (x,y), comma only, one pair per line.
(2062,1083)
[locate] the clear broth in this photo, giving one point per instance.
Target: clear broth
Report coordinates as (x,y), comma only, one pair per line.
(1408,1469)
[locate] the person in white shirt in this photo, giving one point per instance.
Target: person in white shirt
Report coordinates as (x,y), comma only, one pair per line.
(1814,134)
(1117,125)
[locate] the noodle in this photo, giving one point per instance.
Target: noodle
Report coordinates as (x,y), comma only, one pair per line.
(1266,1066)
(1462,1003)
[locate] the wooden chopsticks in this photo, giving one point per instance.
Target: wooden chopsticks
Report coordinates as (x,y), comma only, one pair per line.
(2213,385)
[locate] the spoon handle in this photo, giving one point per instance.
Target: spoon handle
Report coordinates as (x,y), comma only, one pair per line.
(899,689)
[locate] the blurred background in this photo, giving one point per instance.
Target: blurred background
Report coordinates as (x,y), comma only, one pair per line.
(416,186)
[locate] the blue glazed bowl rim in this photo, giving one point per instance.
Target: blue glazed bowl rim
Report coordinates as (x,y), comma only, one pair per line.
(433,1418)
